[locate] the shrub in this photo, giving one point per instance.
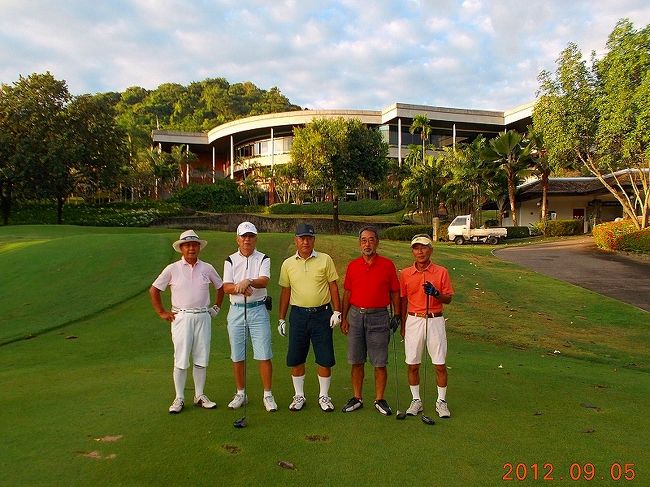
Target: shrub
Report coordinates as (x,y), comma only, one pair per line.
(209,197)
(610,235)
(404,232)
(362,207)
(518,232)
(638,241)
(557,228)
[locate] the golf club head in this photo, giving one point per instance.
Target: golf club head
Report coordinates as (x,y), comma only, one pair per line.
(400,415)
(240,423)
(427,420)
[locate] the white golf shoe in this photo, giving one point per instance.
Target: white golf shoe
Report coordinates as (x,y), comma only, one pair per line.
(415,407)
(326,404)
(269,404)
(442,409)
(202,401)
(297,404)
(177,406)
(238,401)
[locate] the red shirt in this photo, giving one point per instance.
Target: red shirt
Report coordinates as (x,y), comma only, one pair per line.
(411,281)
(370,284)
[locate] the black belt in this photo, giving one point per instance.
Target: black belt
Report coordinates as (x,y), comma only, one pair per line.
(369,311)
(317,309)
(424,315)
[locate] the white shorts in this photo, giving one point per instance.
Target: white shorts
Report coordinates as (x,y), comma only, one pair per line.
(414,340)
(191,334)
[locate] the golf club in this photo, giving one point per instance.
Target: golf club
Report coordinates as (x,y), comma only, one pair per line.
(426,419)
(400,415)
(241,422)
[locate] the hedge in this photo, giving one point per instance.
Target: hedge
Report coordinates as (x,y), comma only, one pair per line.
(518,232)
(405,232)
(209,197)
(621,235)
(362,207)
(557,228)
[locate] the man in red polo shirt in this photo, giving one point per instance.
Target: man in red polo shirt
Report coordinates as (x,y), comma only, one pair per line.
(424,288)
(370,286)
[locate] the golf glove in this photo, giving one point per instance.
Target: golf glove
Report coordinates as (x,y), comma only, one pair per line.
(395,323)
(214,311)
(430,289)
(335,319)
(282,328)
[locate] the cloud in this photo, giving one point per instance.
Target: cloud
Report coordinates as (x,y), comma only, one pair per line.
(337,54)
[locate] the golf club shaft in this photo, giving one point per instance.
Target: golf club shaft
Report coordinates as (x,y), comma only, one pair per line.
(426,344)
(396,375)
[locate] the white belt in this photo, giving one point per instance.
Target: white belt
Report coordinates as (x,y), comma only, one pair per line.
(189,310)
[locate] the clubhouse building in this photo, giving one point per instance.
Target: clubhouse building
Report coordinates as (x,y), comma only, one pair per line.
(230,149)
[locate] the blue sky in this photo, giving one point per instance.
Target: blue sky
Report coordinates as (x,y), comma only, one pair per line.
(321,54)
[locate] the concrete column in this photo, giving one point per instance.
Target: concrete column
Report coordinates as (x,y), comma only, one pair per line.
(399,142)
(232,157)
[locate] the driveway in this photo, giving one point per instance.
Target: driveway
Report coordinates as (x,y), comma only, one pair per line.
(580,262)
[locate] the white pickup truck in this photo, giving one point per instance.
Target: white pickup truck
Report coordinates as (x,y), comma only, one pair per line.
(461,230)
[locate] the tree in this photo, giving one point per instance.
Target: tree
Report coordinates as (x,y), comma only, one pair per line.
(422,186)
(335,153)
(421,123)
(509,152)
(599,116)
(541,166)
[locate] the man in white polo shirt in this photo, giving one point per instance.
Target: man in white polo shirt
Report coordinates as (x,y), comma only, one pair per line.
(189,279)
(246,274)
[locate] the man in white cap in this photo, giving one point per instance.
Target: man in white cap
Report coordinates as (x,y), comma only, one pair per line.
(246,274)
(424,288)
(189,279)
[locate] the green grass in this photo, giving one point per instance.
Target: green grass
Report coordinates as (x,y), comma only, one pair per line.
(99,368)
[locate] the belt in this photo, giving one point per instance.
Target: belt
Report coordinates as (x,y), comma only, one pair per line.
(254,304)
(189,310)
(369,311)
(317,309)
(424,315)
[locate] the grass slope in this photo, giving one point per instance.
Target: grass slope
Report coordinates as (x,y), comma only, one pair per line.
(91,410)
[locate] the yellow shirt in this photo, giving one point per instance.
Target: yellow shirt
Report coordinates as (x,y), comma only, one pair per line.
(308,279)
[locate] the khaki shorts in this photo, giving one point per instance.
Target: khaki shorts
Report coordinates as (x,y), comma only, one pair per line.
(414,339)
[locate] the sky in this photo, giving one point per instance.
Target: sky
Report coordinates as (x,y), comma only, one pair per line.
(321,54)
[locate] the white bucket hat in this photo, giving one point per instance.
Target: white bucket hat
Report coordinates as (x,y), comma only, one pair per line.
(188,236)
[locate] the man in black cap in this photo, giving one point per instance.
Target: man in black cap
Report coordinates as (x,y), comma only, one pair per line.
(308,283)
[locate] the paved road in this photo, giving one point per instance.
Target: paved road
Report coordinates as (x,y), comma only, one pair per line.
(580,262)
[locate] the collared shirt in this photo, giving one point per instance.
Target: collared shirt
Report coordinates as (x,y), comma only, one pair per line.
(370,284)
(190,284)
(412,280)
(308,279)
(237,267)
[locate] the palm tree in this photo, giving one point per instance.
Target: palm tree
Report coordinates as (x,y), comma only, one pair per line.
(509,152)
(541,165)
(421,123)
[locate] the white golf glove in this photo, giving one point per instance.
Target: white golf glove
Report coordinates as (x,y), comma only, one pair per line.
(282,328)
(214,311)
(335,319)
(240,287)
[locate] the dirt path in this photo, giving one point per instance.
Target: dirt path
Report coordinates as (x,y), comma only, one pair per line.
(580,262)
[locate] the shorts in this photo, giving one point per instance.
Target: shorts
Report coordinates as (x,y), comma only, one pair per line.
(191,334)
(369,334)
(259,329)
(414,340)
(306,326)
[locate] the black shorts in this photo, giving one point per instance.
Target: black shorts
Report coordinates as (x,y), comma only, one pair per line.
(310,325)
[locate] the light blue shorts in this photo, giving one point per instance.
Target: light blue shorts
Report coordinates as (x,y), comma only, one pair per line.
(259,329)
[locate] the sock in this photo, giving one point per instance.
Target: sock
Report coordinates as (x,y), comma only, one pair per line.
(324,385)
(299,385)
(415,391)
(442,393)
(180,376)
(199,373)
(267,393)
(241,391)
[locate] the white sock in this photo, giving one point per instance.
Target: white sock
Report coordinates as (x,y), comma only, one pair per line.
(199,380)
(180,376)
(442,393)
(415,391)
(324,385)
(267,393)
(241,392)
(299,385)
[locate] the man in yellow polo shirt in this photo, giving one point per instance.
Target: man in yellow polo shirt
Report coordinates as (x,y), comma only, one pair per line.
(308,283)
